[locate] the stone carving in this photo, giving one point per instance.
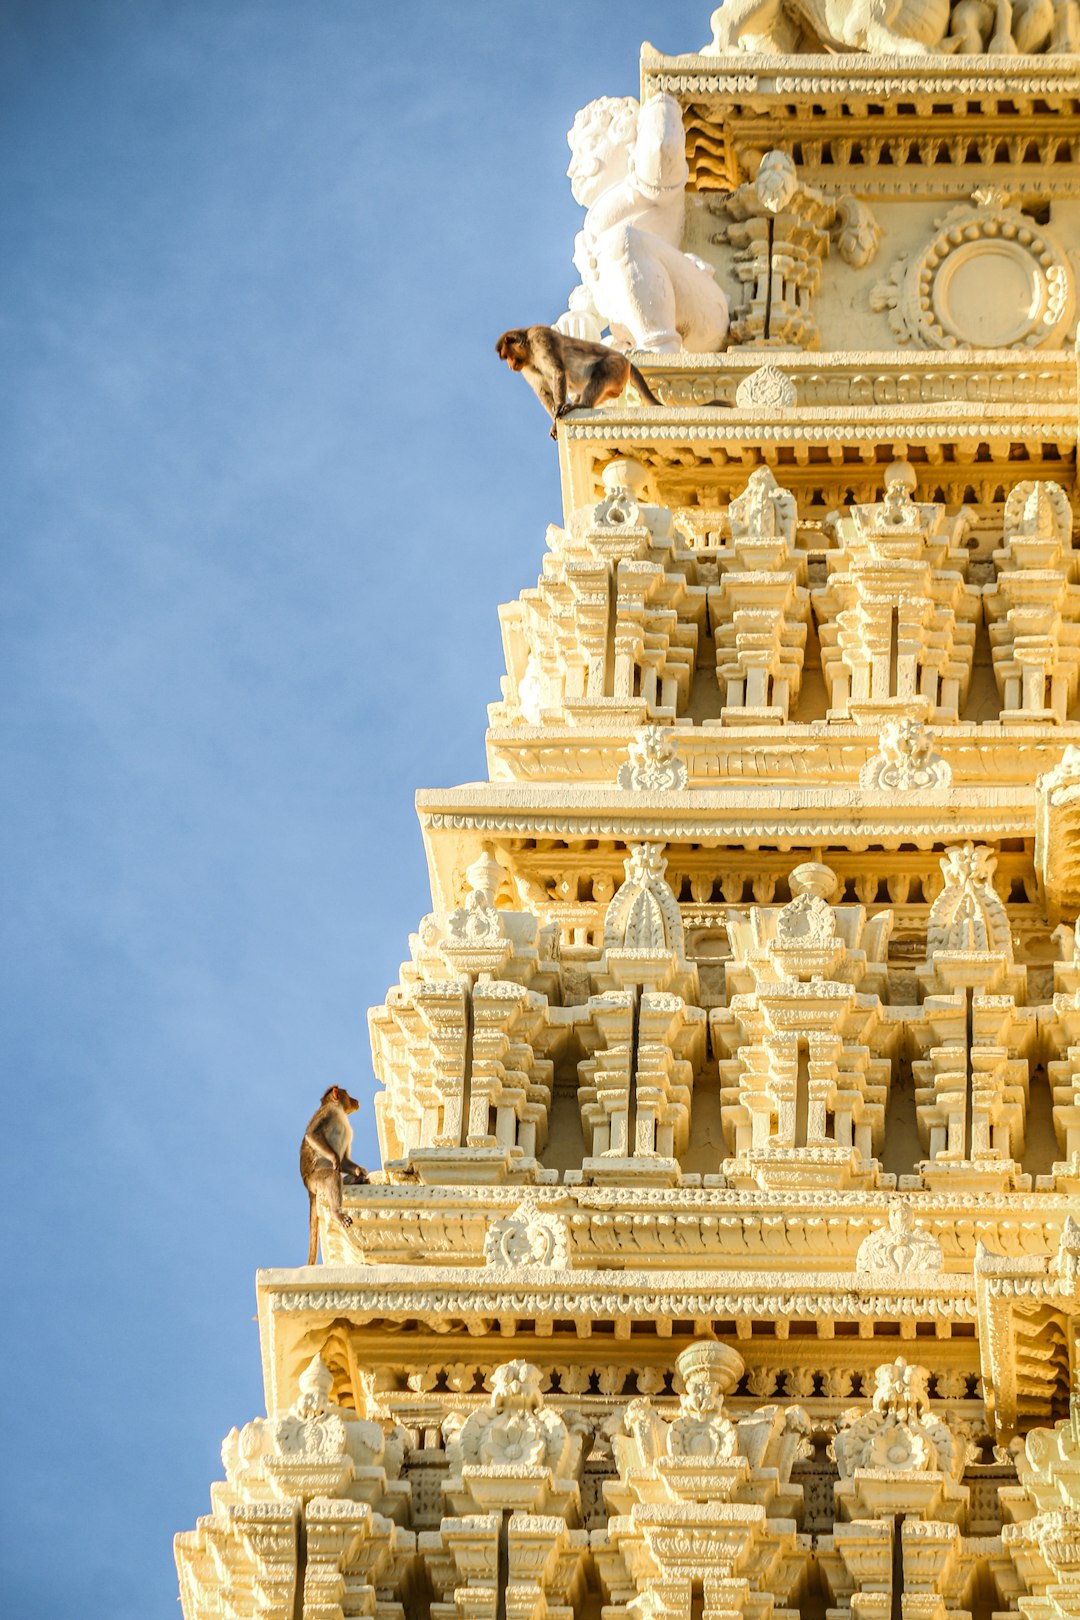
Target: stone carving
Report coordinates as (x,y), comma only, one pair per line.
(906,760)
(515,1430)
(781,230)
(897,618)
(760,608)
(477,922)
(1033,607)
(968,915)
(683,1451)
(907,28)
(318,1478)
(803,1067)
(700,1495)
(654,765)
(902,1249)
(1038,515)
(316,1448)
(766,389)
(983,28)
(526,1238)
(1043,1539)
(644,914)
(764,511)
(1057,828)
(899,1433)
(904,28)
(989,277)
(628,169)
(621,554)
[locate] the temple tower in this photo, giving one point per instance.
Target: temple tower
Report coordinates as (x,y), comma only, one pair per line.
(723,1261)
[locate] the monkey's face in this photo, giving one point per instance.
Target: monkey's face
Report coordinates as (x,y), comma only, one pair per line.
(512,347)
(339,1095)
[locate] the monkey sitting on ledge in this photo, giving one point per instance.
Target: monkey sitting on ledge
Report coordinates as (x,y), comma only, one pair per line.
(569,374)
(324,1159)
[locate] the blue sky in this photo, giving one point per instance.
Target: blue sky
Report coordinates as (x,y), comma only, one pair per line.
(264,484)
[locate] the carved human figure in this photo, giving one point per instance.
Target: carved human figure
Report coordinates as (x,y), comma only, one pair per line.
(628,169)
(777,189)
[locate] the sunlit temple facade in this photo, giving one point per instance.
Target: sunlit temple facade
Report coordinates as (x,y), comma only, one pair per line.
(724,1258)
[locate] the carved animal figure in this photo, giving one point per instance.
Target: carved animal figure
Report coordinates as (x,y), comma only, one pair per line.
(628,170)
(568,373)
(1000,27)
(883,27)
(324,1159)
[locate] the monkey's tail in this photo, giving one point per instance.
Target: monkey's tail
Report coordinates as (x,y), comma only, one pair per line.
(642,386)
(313,1230)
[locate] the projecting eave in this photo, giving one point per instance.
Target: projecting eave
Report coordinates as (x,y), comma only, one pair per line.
(853,104)
(700,455)
(458,822)
(729,80)
(297,1308)
(725,758)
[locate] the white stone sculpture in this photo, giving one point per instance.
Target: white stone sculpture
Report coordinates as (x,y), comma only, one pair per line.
(766,389)
(900,1249)
(906,760)
(654,765)
(987,277)
(899,1433)
(968,915)
(513,1451)
(644,914)
(315,1447)
(528,1237)
(1004,27)
(884,27)
(629,170)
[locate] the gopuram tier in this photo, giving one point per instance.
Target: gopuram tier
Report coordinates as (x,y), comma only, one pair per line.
(724,1258)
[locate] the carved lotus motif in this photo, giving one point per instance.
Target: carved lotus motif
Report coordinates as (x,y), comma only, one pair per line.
(515,1437)
(704,1436)
(900,1434)
(895,1445)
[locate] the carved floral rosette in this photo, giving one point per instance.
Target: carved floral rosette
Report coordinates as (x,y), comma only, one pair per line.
(989,277)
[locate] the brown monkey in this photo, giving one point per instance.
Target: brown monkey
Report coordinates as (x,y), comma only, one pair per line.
(324,1159)
(566,373)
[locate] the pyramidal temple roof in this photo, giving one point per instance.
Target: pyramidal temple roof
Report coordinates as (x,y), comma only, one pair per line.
(723,1259)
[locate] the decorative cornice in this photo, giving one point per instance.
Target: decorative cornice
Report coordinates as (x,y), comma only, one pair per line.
(744,74)
(396,1291)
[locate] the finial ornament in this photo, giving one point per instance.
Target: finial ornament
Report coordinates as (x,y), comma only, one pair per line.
(968,915)
(654,765)
(906,760)
(643,913)
(766,389)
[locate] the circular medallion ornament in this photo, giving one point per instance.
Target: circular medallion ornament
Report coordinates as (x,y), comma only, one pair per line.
(988,279)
